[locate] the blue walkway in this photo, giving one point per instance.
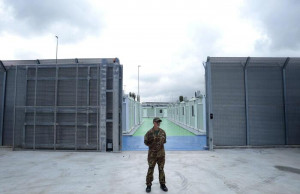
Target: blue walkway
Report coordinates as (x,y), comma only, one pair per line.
(180,143)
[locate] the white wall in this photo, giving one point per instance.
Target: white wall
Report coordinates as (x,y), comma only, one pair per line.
(132,113)
(150,112)
(182,113)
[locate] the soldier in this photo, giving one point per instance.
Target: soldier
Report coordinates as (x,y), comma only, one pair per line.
(155,139)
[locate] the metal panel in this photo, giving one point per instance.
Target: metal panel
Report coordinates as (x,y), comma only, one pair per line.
(103,113)
(284,97)
(228,104)
(293,101)
(45,93)
(55,105)
(18,99)
(120,106)
(246,100)
(65,136)
(116,126)
(44,135)
(88,104)
(266,111)
(2,102)
(45,110)
(76,114)
(66,93)
(9,107)
(98,109)
(271,98)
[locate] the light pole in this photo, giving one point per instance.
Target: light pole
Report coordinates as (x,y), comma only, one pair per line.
(56,46)
(139,80)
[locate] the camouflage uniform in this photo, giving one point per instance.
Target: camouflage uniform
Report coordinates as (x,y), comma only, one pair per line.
(156,154)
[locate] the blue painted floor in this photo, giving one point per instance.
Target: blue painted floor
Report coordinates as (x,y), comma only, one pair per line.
(180,143)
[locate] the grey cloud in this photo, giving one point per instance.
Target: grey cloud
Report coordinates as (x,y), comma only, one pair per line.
(172,93)
(181,83)
(190,78)
(150,78)
(204,38)
(146,77)
(279,20)
(71,19)
(262,44)
(25,54)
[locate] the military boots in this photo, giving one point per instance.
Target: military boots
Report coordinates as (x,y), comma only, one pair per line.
(163,187)
(148,189)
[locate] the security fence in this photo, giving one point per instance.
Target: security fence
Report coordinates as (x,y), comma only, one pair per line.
(253,101)
(72,104)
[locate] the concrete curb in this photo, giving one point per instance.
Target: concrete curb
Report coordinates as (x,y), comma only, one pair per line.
(132,131)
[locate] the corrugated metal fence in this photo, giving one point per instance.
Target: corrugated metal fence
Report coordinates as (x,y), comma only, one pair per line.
(74,104)
(253,101)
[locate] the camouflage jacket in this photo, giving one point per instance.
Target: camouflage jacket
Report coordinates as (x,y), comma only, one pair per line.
(155,142)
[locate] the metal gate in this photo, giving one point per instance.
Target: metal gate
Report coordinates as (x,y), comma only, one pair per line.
(74,104)
(253,101)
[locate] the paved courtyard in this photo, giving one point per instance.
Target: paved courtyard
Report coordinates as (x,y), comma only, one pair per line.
(220,171)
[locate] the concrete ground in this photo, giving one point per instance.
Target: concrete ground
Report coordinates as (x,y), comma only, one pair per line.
(220,171)
(174,143)
(178,138)
(168,126)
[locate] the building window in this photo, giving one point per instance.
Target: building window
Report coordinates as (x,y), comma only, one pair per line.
(160,111)
(193,114)
(182,110)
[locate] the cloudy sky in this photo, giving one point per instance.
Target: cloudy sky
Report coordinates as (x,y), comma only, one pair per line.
(169,39)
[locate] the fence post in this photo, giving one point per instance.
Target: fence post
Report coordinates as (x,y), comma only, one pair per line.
(14,114)
(209,105)
(246,100)
(284,99)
